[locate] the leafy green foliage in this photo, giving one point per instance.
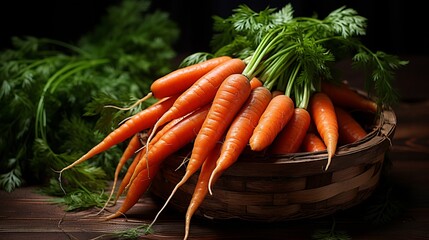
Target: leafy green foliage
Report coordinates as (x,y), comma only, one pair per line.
(345,22)
(128,234)
(384,66)
(85,175)
(134,233)
(82,199)
(239,34)
(139,44)
(13,178)
(293,54)
(54,94)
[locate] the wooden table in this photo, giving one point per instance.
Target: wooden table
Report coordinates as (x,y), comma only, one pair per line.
(26,214)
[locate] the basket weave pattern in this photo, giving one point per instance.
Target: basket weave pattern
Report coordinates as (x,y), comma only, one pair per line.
(286,187)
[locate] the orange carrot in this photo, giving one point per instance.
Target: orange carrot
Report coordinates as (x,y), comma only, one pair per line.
(277,92)
(241,130)
(129,151)
(290,138)
(127,178)
(128,174)
(255,82)
(201,92)
(312,143)
(178,136)
(181,79)
(132,198)
(201,188)
(342,95)
(138,187)
(232,94)
(278,112)
(323,113)
(137,123)
(348,128)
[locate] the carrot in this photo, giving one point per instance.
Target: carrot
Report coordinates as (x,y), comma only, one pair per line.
(168,142)
(255,82)
(138,187)
(178,136)
(241,130)
(348,128)
(290,138)
(323,113)
(127,178)
(312,143)
(342,95)
(181,79)
(277,92)
(141,121)
(201,92)
(178,81)
(133,146)
(231,95)
(129,151)
(201,187)
(278,112)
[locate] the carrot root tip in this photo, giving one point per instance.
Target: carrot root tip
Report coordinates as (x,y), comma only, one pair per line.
(329,163)
(61,182)
(210,183)
(178,185)
(114,215)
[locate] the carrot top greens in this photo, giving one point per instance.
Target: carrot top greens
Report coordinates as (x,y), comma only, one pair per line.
(293,54)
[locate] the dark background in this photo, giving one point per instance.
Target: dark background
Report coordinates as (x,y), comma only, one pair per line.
(397,27)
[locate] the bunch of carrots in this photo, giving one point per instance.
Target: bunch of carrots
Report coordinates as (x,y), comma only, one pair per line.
(271,102)
(218,104)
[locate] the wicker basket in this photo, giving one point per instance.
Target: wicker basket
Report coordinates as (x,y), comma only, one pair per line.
(287,187)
